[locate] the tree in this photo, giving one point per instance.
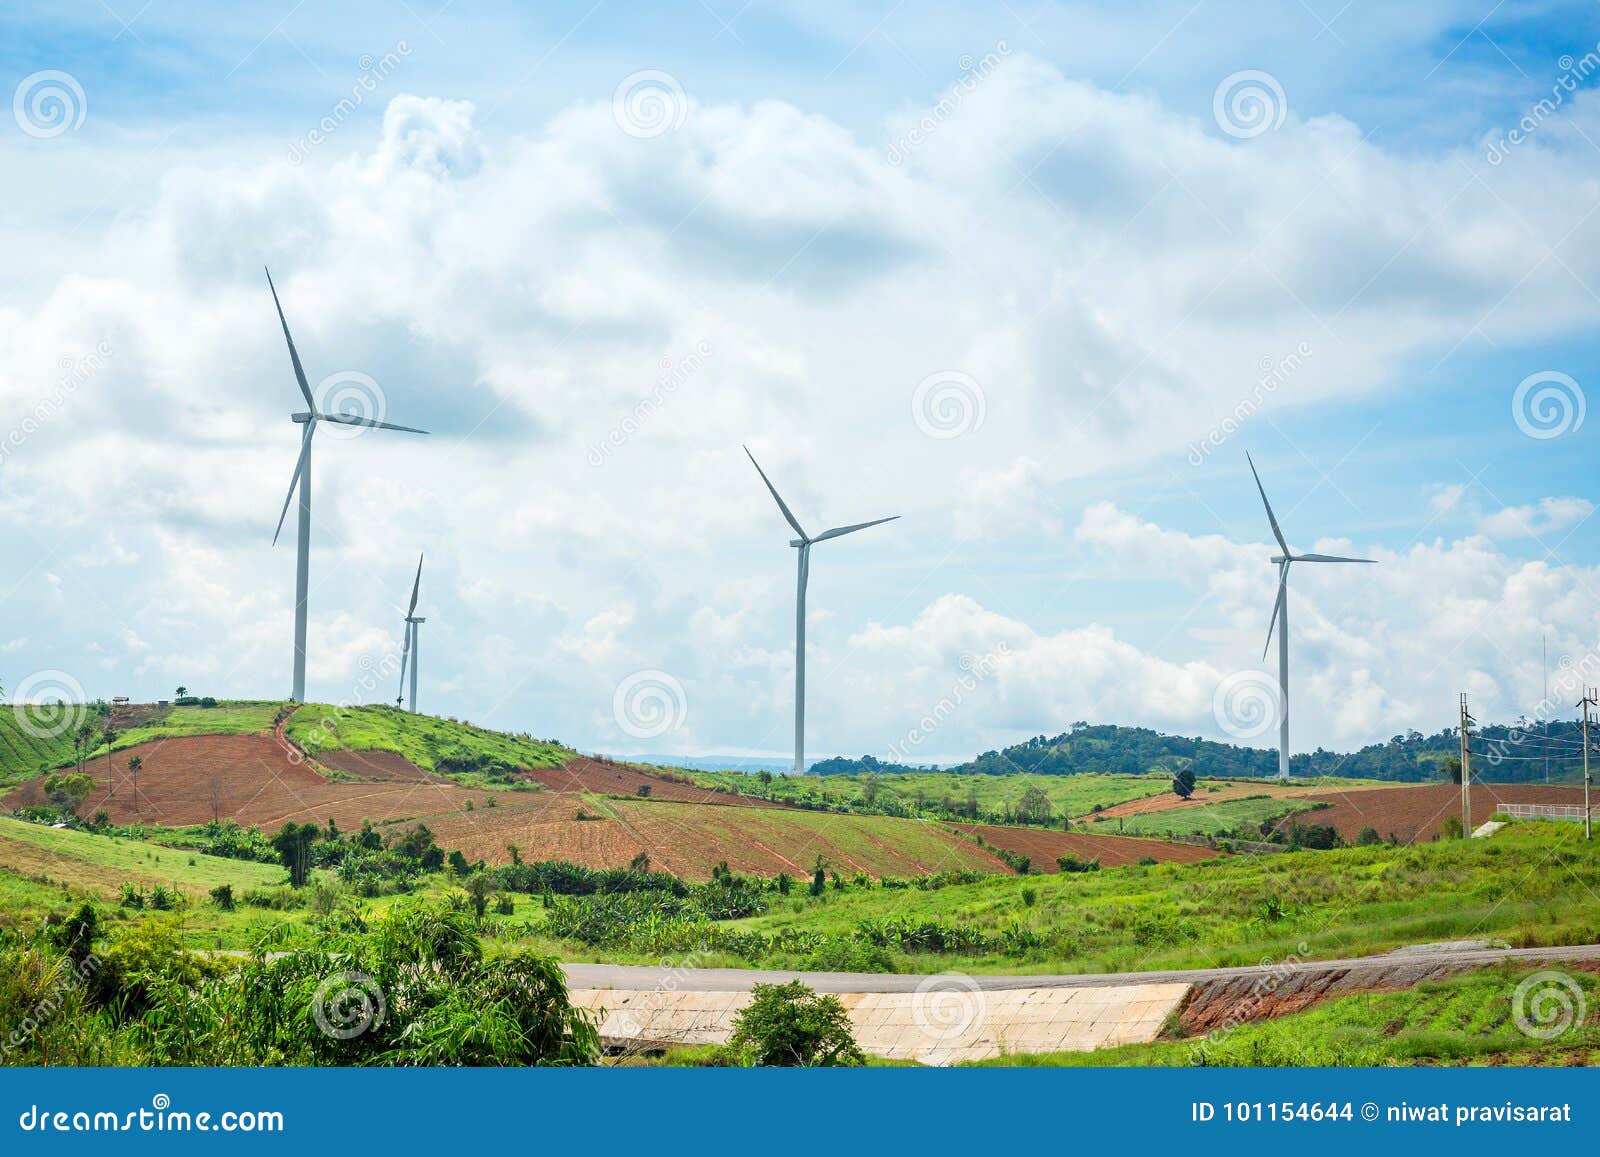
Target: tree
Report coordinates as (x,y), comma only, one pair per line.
(216,806)
(67,792)
(515,853)
(869,790)
(790,1026)
(83,741)
(1034,807)
(1368,838)
(134,764)
(1451,766)
(1183,782)
(479,889)
(819,876)
(640,862)
(293,845)
(182,691)
(643,791)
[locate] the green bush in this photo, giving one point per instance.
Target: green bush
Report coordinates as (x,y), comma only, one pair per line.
(789,1025)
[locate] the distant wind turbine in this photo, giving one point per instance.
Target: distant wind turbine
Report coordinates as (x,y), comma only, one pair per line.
(1280,617)
(804,544)
(302,478)
(410,648)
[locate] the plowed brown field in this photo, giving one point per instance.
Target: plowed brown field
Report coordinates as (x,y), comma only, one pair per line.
(379,766)
(607,778)
(248,778)
(1044,847)
(1415,812)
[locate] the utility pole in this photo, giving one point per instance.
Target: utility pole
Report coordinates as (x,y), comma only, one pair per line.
(1586,702)
(1466,769)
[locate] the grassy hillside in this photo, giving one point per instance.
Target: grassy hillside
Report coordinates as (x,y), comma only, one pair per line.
(102,864)
(1207,819)
(943,794)
(241,717)
(440,745)
(1533,884)
(1464,1020)
(26,745)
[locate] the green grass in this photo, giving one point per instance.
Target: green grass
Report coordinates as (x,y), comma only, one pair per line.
(422,739)
(1533,884)
(1464,1020)
(1209,819)
(26,746)
(915,792)
(226,718)
(82,859)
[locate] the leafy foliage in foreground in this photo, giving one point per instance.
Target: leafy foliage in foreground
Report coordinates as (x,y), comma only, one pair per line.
(413,988)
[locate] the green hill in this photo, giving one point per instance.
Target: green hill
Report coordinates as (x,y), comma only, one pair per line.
(1502,753)
(446,746)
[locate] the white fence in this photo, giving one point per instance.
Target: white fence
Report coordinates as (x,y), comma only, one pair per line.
(1541,811)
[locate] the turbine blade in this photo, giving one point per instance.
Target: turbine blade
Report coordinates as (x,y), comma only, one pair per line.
(1277,604)
(350,420)
(415,587)
(294,354)
(405,653)
(1272,518)
(838,531)
(299,469)
(776,497)
(1329,558)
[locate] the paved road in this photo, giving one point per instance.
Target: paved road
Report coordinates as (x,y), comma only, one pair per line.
(648,977)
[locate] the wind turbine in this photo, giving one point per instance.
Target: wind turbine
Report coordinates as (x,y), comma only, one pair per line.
(410,648)
(804,544)
(302,478)
(1280,617)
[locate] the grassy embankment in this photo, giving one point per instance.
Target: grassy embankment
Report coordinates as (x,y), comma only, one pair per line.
(468,754)
(1468,1020)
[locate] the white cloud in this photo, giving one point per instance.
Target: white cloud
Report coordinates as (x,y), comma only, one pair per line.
(1533,521)
(519,293)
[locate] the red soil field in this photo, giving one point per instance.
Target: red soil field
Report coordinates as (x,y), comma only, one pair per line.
(1044,847)
(379,766)
(1415,812)
(689,840)
(248,778)
(606,778)
(483,835)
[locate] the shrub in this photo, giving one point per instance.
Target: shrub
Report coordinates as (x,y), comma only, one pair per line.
(222,897)
(789,1025)
(1073,864)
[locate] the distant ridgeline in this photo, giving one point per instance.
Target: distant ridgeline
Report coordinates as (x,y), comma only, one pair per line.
(1516,753)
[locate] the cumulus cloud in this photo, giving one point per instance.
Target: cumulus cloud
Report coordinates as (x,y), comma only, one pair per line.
(1110,273)
(1544,517)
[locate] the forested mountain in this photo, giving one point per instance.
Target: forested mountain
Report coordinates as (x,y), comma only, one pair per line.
(1524,752)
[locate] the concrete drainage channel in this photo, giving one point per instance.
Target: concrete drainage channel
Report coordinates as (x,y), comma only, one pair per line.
(951,1018)
(940,1025)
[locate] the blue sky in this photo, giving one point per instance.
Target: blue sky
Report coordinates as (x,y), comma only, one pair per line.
(1083,238)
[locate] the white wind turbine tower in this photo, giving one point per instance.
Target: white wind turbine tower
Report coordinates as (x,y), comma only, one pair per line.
(804,544)
(302,478)
(409,651)
(1280,618)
